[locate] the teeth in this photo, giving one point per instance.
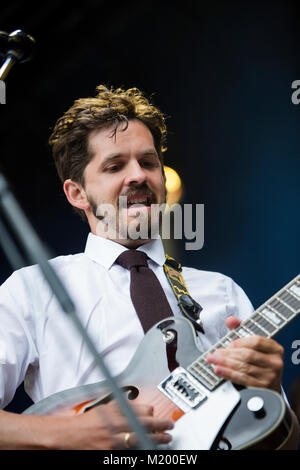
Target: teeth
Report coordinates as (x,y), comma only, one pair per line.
(138,200)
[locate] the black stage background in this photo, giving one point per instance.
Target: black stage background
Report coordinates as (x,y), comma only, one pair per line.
(223,72)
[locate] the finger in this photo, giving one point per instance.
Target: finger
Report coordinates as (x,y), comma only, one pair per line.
(142,409)
(157,424)
(112,416)
(161,438)
(115,423)
(236,357)
(250,373)
(157,438)
(259,343)
(247,364)
(130,440)
(241,378)
(123,440)
(232,322)
(120,424)
(139,408)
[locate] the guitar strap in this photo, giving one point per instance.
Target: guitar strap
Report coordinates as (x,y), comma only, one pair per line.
(188,306)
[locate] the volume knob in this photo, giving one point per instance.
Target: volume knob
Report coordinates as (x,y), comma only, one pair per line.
(256,405)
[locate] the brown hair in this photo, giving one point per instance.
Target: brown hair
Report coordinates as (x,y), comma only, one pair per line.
(110,107)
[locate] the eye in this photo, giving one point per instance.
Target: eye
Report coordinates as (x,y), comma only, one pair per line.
(149,163)
(114,168)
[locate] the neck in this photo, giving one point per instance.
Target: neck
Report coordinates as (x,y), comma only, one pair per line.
(127,242)
(132,244)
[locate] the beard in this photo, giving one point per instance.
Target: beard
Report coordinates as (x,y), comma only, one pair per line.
(119,222)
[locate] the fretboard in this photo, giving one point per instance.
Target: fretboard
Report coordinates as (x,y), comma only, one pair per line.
(267,320)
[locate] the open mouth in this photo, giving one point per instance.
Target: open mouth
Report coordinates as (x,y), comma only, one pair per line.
(140,199)
(138,204)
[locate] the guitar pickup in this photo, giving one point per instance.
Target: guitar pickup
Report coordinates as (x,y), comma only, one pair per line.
(183,389)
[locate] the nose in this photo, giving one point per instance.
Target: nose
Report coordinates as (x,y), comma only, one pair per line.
(135,174)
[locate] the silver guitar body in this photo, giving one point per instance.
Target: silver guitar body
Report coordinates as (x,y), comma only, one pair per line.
(205,419)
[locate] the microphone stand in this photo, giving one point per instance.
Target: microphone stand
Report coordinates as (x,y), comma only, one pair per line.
(6,67)
(18,46)
(36,253)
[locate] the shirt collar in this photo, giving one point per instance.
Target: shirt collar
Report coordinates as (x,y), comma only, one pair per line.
(105,252)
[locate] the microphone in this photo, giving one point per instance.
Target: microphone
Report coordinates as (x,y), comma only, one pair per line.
(17,46)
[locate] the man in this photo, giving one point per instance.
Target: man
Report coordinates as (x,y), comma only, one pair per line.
(106,147)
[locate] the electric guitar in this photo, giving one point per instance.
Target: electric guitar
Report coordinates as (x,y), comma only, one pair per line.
(170,372)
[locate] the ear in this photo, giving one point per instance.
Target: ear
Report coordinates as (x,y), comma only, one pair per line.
(76,194)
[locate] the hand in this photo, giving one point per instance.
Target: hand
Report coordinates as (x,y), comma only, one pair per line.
(105,428)
(253,361)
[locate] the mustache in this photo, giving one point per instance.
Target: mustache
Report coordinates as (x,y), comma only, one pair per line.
(141,191)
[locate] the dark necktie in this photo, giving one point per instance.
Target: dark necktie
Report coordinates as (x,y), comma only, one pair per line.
(147,295)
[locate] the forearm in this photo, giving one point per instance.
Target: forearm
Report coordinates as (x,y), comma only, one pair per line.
(33,431)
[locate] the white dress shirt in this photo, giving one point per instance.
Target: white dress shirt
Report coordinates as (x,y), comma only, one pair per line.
(40,344)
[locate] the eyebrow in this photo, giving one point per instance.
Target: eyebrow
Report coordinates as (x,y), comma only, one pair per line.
(114,156)
(111,157)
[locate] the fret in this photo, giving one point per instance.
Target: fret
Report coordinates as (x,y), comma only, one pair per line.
(248,326)
(280,315)
(202,379)
(290,300)
(258,320)
(243,331)
(211,369)
(201,374)
(202,368)
(216,346)
(284,303)
(212,350)
(279,307)
(232,336)
(208,368)
(225,342)
(271,320)
(253,327)
(266,323)
(198,373)
(228,339)
(295,289)
(275,318)
(240,332)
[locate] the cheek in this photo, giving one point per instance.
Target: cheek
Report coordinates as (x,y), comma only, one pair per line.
(106,191)
(158,181)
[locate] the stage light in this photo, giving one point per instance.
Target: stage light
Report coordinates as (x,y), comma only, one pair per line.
(173,185)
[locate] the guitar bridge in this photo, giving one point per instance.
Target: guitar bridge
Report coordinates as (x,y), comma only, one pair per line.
(183,389)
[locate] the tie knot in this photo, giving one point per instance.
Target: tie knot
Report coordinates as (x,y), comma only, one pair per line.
(132,258)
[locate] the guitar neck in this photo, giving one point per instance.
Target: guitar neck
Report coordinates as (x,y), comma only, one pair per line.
(267,321)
